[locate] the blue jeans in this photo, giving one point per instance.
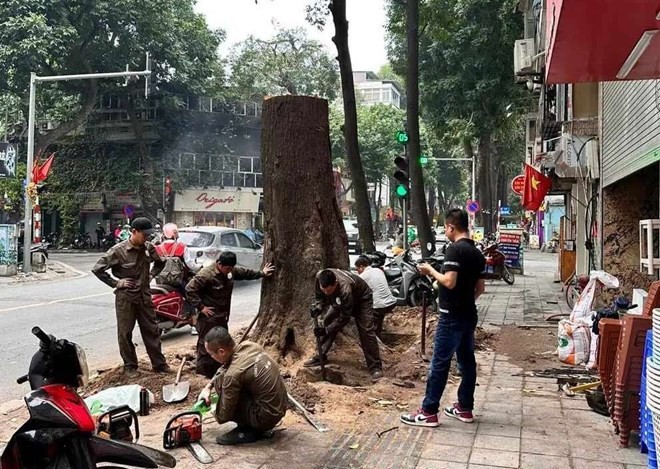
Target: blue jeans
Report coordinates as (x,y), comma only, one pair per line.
(451,336)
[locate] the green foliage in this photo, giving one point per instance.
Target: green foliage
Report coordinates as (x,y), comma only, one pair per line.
(377,128)
(289,62)
(78,36)
(11,193)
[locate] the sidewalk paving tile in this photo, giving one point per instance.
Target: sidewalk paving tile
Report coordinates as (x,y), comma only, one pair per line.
(501,418)
(447,453)
(497,442)
(496,458)
(586,464)
(553,446)
(432,464)
(512,431)
(534,461)
(449,437)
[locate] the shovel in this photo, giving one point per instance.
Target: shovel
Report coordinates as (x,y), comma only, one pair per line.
(178,391)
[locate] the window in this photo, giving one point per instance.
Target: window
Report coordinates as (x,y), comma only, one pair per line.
(245,165)
(228,179)
(196,239)
(387,96)
(239,179)
(256,165)
(244,241)
(250,180)
(228,239)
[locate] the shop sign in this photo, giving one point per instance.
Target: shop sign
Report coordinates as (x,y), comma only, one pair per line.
(232,201)
(510,243)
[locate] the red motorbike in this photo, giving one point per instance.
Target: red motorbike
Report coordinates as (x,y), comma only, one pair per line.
(61,433)
(496,268)
(172,309)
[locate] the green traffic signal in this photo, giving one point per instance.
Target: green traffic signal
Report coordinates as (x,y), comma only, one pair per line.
(423,159)
(401,190)
(402,136)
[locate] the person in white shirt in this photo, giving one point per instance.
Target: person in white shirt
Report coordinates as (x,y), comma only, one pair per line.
(384,301)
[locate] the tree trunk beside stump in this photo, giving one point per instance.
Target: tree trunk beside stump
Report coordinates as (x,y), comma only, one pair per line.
(303,222)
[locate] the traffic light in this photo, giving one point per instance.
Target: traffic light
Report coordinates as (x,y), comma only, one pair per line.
(423,160)
(169,195)
(402,137)
(401,177)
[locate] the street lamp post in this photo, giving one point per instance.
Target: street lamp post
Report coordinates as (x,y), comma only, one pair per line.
(34,79)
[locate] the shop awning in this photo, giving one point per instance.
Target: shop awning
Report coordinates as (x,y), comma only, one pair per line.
(602,40)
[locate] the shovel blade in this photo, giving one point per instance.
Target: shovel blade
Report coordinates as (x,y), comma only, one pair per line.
(176,392)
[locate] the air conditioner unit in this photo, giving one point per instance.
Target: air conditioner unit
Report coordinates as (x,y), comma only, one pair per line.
(523,52)
(570,146)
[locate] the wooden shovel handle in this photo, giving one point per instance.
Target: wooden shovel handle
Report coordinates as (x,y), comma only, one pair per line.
(178,373)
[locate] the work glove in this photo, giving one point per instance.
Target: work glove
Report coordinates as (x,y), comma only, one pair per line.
(205,396)
(315,311)
(320,332)
(126,284)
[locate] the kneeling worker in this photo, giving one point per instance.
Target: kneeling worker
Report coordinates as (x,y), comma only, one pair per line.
(250,389)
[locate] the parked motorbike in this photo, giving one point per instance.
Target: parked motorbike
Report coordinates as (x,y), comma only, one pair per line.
(406,283)
(496,268)
(172,309)
(41,247)
(60,432)
(82,241)
(108,241)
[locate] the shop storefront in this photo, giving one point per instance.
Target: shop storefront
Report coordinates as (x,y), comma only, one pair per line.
(108,208)
(235,208)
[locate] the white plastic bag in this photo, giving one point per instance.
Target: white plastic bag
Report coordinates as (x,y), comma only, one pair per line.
(573,342)
(593,349)
(115,397)
(582,309)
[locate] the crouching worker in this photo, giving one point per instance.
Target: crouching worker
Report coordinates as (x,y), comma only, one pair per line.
(250,389)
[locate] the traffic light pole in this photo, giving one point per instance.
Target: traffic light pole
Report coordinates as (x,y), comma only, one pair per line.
(34,79)
(404,209)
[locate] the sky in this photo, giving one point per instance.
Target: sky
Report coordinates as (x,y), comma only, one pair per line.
(242,18)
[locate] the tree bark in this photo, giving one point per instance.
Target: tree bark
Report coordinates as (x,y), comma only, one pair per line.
(432,199)
(485,181)
(416,174)
(362,207)
(303,222)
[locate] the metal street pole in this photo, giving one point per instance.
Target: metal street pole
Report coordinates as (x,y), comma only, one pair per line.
(34,79)
(27,222)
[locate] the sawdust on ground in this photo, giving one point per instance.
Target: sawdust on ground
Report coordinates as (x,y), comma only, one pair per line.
(530,348)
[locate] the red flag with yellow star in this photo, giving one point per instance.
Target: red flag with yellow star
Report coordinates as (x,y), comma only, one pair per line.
(537,187)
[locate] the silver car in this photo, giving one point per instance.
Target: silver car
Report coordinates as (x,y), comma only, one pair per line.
(207,242)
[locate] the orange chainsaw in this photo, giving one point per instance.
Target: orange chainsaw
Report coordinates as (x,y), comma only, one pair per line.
(185,430)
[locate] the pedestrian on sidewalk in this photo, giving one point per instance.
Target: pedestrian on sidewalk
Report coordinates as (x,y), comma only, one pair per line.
(384,301)
(129,262)
(461,283)
(100,235)
(250,388)
(210,293)
(346,295)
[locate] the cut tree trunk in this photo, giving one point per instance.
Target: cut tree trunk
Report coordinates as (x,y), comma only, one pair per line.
(303,222)
(362,207)
(432,199)
(421,215)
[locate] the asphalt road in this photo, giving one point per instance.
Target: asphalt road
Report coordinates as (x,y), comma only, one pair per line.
(81,310)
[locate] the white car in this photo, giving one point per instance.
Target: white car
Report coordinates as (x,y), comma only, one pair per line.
(207,242)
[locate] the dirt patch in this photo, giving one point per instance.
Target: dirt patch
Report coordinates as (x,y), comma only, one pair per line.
(528,347)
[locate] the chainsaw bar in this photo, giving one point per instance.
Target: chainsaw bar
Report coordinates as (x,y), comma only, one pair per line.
(200,453)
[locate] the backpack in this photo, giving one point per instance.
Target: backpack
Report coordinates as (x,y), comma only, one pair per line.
(172,273)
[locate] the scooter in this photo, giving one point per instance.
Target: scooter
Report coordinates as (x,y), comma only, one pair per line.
(496,268)
(407,284)
(60,433)
(172,309)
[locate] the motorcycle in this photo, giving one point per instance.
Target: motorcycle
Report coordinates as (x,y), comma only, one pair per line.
(60,432)
(41,247)
(82,241)
(407,284)
(172,309)
(108,241)
(496,268)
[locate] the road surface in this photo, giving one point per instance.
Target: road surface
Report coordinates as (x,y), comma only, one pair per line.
(81,310)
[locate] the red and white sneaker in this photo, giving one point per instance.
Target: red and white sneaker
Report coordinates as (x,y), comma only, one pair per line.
(420,418)
(456,412)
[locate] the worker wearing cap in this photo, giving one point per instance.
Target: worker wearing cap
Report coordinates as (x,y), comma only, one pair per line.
(130,262)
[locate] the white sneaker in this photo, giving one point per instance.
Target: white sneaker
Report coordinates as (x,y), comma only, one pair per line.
(193,331)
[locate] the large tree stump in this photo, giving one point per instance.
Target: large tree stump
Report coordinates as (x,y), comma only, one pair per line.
(303,223)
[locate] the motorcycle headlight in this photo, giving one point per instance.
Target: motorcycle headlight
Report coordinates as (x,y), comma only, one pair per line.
(83,377)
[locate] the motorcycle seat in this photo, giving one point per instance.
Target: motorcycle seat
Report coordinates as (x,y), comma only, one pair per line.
(391,274)
(162,289)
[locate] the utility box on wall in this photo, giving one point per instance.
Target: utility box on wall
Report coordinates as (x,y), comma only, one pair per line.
(8,250)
